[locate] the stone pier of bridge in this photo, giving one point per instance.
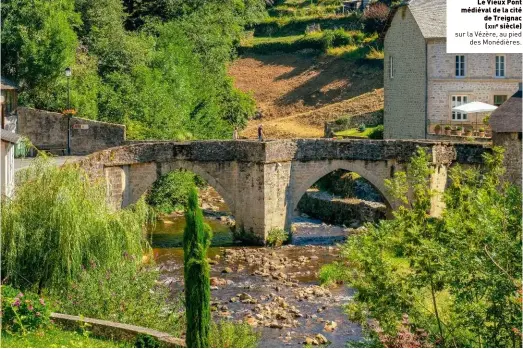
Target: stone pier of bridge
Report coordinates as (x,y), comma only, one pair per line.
(262,182)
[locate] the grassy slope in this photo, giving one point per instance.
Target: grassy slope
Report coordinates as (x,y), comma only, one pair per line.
(354,132)
(56,338)
(297,92)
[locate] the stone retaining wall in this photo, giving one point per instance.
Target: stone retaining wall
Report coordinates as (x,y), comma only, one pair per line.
(48,131)
(348,212)
(115,330)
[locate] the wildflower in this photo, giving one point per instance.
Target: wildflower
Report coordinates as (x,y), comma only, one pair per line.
(16,303)
(42,301)
(30,307)
(20,295)
(37,314)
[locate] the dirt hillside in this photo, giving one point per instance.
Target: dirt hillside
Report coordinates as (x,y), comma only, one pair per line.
(297,93)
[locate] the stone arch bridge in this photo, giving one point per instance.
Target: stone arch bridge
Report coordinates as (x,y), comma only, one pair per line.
(262,182)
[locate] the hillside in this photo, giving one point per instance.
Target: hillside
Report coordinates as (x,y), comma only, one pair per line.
(299,81)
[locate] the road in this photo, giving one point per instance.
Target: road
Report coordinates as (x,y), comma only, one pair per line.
(57,160)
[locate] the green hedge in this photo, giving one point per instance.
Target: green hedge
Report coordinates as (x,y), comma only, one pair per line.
(320,41)
(297,25)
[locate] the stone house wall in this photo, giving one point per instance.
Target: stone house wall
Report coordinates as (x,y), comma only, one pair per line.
(405,93)
(479,83)
(512,144)
(48,131)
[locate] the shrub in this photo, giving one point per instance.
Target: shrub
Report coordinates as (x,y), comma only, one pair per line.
(226,334)
(170,192)
(22,312)
(127,293)
(377,133)
(332,274)
(362,128)
(375,17)
(58,222)
(448,128)
(375,54)
(277,237)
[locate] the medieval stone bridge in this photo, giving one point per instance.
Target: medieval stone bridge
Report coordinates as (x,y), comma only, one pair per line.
(262,182)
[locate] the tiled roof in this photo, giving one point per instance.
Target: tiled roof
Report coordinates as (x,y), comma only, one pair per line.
(507,118)
(9,136)
(431,16)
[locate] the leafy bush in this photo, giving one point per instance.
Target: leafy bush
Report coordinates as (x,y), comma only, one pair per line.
(334,273)
(377,133)
(22,312)
(126,293)
(59,222)
(362,128)
(336,38)
(170,192)
(226,334)
(458,276)
(375,17)
(277,237)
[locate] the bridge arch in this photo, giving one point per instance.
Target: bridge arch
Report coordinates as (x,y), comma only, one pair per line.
(318,172)
(198,170)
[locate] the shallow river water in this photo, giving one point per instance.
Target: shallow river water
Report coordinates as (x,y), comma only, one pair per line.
(273,289)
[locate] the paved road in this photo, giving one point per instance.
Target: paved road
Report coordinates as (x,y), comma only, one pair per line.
(57,160)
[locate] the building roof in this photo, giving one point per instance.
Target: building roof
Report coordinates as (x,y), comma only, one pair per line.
(8,136)
(430,15)
(6,84)
(507,118)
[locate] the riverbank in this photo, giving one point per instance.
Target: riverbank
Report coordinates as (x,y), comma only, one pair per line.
(274,290)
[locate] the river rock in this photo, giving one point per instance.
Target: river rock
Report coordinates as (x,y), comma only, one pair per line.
(310,341)
(217,281)
(321,339)
(330,326)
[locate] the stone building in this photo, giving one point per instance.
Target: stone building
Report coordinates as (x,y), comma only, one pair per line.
(423,82)
(506,132)
(7,159)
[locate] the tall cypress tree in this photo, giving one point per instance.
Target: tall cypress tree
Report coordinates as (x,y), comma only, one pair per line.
(196,240)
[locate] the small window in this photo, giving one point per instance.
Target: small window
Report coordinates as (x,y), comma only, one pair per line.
(500,99)
(456,102)
(460,66)
(500,66)
(391,67)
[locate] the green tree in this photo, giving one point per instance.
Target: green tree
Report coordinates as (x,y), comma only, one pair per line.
(457,276)
(196,241)
(38,43)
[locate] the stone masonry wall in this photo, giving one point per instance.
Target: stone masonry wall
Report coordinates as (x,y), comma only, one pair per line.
(405,93)
(479,84)
(341,211)
(48,131)
(511,142)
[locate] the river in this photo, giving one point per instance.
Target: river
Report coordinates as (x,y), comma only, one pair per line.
(273,289)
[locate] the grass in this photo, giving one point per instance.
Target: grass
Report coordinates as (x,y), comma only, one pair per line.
(354,132)
(57,338)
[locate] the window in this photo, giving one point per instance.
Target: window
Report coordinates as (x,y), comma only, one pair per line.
(456,102)
(500,66)
(500,99)
(391,67)
(460,66)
